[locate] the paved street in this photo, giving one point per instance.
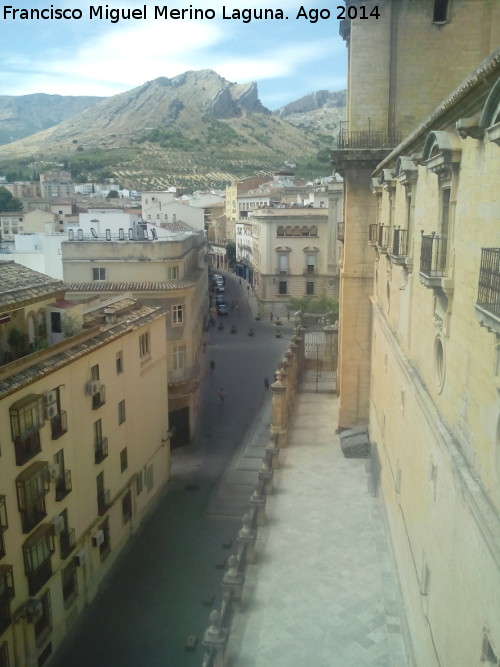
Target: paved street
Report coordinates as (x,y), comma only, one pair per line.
(154,598)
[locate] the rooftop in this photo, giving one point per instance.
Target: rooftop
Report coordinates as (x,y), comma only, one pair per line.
(19,284)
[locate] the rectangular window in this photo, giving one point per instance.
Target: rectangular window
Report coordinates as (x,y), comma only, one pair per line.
(123,460)
(6,595)
(32,487)
(127,507)
(177,314)
(94,372)
(26,419)
(119,363)
(283,287)
(178,362)
(138,484)
(69,584)
(445,211)
(121,412)
(55,322)
(144,345)
(440,11)
(105,547)
(149,478)
(37,550)
(173,272)
(43,624)
(311,264)
(283,263)
(98,274)
(310,288)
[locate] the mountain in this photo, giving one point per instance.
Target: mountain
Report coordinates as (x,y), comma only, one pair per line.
(321,111)
(23,115)
(195,129)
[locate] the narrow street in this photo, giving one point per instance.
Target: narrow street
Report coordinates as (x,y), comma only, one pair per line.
(154,598)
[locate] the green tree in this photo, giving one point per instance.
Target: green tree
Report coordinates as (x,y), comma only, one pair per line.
(316,304)
(8,202)
(231,253)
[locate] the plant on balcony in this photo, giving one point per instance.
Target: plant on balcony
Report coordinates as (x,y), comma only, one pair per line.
(18,342)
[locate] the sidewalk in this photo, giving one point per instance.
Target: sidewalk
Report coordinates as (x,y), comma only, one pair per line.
(323,591)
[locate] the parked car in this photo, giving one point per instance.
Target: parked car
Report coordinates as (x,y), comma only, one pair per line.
(217,276)
(222,309)
(220,288)
(220,298)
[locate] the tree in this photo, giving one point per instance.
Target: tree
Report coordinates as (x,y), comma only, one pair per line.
(113,194)
(231,253)
(315,304)
(8,202)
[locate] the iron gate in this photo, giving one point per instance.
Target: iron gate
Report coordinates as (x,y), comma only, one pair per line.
(319,371)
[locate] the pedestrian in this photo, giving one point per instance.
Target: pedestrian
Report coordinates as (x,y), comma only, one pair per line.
(212,365)
(271,317)
(222,395)
(237,305)
(266,383)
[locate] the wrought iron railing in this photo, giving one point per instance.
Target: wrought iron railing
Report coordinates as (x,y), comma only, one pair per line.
(433,255)
(27,445)
(59,424)
(103,502)
(383,237)
(67,541)
(183,374)
(37,577)
(488,293)
(400,242)
(368,139)
(63,485)
(101,450)
(99,398)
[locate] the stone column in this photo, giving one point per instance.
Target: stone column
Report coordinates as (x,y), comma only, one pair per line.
(215,639)
(278,409)
(258,503)
(266,476)
(232,584)
(247,536)
(272,452)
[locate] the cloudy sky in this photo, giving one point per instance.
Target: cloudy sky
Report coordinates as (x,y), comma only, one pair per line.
(288,58)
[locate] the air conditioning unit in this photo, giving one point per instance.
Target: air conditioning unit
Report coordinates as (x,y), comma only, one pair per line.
(98,538)
(49,398)
(53,469)
(34,610)
(81,557)
(51,411)
(58,523)
(93,387)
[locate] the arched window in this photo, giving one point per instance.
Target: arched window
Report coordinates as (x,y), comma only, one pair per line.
(288,231)
(30,321)
(281,231)
(313,231)
(296,230)
(305,230)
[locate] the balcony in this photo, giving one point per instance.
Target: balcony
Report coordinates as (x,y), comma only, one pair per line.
(59,425)
(383,238)
(310,270)
(67,542)
(488,294)
(27,445)
(372,235)
(99,398)
(103,502)
(181,375)
(433,266)
(37,551)
(63,485)
(340,231)
(101,450)
(7,593)
(399,251)
(367,139)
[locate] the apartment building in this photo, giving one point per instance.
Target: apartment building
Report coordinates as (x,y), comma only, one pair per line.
(25,222)
(419,320)
(168,270)
(83,449)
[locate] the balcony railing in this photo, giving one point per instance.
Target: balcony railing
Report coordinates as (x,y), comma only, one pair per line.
(400,243)
(101,450)
(59,425)
(368,139)
(67,542)
(433,255)
(383,238)
(27,445)
(340,231)
(310,271)
(63,485)
(373,234)
(37,578)
(103,502)
(99,398)
(488,293)
(178,375)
